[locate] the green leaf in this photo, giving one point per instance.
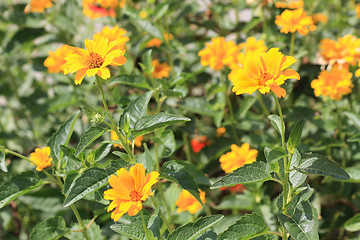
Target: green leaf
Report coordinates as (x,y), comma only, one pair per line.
(136,110)
(62,137)
(149,28)
(134,229)
(354,138)
(2,160)
(247,227)
(198,175)
(159,11)
(198,105)
(88,111)
(90,180)
(236,201)
(18,185)
(167,144)
(88,137)
(49,229)
(303,223)
(152,122)
(249,173)
(353,224)
(194,229)
(101,152)
(320,165)
(146,159)
(93,232)
(177,173)
(69,153)
(355,118)
(296,178)
(138,81)
(295,136)
(276,154)
(276,122)
(246,103)
(123,156)
(147,62)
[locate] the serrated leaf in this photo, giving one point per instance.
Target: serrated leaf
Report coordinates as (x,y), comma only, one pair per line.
(249,173)
(353,224)
(2,160)
(303,223)
(101,152)
(88,137)
(49,229)
(295,136)
(192,230)
(88,111)
(152,122)
(276,122)
(93,232)
(138,81)
(61,137)
(90,180)
(177,173)
(18,185)
(247,227)
(296,178)
(276,154)
(320,165)
(136,110)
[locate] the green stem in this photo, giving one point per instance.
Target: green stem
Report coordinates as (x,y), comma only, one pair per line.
(292,44)
(262,104)
(232,115)
(114,126)
(83,227)
(144,225)
(156,205)
(187,147)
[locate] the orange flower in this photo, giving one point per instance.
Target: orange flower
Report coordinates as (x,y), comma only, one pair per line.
(334,83)
(168,36)
(161,70)
(319,17)
(344,50)
(155,42)
(199,143)
(129,190)
(263,72)
(238,157)
(292,4)
(295,21)
(93,9)
(187,202)
(357,10)
(41,158)
(56,60)
(220,131)
(99,54)
(137,141)
(252,45)
(113,34)
(219,53)
(37,6)
(237,188)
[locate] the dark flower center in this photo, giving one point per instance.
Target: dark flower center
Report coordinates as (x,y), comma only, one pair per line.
(94,60)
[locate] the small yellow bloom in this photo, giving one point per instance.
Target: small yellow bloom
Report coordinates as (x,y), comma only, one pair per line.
(220,131)
(187,202)
(357,10)
(94,61)
(41,158)
(143,14)
(56,60)
(292,4)
(252,45)
(319,17)
(137,141)
(295,21)
(238,157)
(129,190)
(219,53)
(161,70)
(263,72)
(37,6)
(334,83)
(113,34)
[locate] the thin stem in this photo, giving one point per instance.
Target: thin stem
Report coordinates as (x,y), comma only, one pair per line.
(231,111)
(262,104)
(114,126)
(17,155)
(156,205)
(144,225)
(187,147)
(292,44)
(275,233)
(83,227)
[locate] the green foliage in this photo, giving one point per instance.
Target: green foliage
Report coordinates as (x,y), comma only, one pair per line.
(2,160)
(50,229)
(88,137)
(295,136)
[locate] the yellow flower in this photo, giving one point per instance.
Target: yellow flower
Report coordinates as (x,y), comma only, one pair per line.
(219,53)
(263,72)
(334,83)
(155,42)
(41,158)
(238,157)
(37,6)
(113,34)
(137,141)
(93,9)
(168,36)
(344,50)
(292,4)
(99,54)
(161,70)
(187,202)
(220,131)
(129,190)
(143,14)
(56,60)
(319,17)
(252,45)
(357,10)
(295,21)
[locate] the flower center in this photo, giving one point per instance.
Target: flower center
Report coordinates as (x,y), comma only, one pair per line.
(135,196)
(94,60)
(264,78)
